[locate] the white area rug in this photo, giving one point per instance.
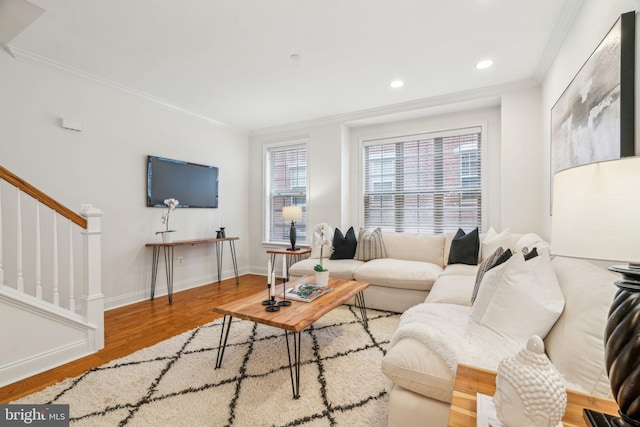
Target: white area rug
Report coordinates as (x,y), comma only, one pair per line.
(175,383)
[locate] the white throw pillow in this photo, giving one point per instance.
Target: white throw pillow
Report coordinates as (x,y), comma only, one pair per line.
(519,298)
(315,248)
(575,344)
(530,241)
(493,241)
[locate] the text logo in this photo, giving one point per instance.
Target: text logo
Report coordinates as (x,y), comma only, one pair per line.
(34,415)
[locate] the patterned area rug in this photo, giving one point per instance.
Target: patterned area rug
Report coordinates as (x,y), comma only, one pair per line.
(175,383)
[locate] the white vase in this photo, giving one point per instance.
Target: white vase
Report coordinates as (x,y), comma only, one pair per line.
(167,237)
(322,278)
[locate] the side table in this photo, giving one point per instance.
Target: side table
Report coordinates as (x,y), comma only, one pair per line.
(471,380)
(291,256)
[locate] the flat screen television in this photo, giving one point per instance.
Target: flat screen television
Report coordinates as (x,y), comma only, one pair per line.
(193,185)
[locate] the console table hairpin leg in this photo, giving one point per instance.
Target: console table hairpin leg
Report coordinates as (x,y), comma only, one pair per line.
(168,264)
(168,249)
(219,251)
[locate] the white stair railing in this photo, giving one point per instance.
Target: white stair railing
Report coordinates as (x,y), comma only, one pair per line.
(45,263)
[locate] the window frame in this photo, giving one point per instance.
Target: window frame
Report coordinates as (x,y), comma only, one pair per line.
(266,202)
(407,135)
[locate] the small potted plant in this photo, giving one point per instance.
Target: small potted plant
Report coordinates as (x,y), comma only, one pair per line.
(322,274)
(166,234)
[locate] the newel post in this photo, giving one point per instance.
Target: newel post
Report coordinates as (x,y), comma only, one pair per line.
(92,298)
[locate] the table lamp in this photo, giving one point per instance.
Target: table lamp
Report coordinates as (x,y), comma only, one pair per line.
(293,214)
(596,215)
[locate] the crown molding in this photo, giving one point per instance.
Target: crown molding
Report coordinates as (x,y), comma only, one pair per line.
(40,61)
(349,119)
(568,14)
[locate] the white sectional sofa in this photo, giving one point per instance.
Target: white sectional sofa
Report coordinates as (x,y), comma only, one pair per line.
(409,271)
(565,301)
(403,279)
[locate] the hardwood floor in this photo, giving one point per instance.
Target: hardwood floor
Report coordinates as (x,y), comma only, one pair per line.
(140,325)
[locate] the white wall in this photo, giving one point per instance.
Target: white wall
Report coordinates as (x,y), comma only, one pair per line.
(595,19)
(521,162)
(105,165)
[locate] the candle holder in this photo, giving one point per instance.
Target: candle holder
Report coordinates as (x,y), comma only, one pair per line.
(285,302)
(270,302)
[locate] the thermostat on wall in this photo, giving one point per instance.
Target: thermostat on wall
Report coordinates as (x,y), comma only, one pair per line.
(72,125)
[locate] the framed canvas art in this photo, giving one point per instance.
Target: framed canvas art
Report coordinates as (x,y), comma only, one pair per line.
(593,120)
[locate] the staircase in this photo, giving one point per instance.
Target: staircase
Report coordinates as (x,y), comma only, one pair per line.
(51,302)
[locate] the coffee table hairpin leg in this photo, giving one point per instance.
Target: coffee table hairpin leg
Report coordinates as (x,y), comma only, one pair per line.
(363,308)
(222,345)
(295,376)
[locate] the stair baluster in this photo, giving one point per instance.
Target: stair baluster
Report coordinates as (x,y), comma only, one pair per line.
(20,278)
(38,254)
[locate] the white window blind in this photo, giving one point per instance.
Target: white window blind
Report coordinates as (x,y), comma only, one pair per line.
(286,178)
(427,183)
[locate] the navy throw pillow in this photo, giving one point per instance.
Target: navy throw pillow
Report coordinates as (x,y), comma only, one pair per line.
(344,247)
(465,248)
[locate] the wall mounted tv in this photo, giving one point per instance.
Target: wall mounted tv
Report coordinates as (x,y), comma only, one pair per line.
(193,185)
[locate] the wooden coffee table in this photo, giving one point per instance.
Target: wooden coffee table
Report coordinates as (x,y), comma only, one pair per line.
(471,380)
(292,319)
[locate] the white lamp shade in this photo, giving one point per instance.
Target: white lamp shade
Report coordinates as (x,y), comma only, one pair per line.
(292,213)
(596,211)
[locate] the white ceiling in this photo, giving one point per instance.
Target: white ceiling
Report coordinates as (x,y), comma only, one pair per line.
(229,61)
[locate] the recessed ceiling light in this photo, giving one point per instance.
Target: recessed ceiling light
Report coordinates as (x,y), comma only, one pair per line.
(485,63)
(396,84)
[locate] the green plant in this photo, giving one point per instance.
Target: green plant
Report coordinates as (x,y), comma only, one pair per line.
(318,267)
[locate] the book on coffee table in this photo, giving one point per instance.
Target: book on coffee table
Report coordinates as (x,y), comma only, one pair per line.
(306,292)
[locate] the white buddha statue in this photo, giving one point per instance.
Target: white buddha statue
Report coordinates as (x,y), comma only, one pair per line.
(529,390)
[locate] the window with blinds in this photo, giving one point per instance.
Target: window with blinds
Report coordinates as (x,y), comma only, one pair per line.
(429,183)
(286,179)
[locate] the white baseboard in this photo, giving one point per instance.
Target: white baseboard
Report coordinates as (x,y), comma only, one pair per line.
(161,289)
(53,358)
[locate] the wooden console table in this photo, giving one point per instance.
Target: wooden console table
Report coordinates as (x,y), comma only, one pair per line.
(471,380)
(167,249)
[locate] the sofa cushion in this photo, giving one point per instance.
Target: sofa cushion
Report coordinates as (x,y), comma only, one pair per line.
(431,340)
(505,290)
(450,289)
(370,245)
(397,273)
(415,247)
(575,343)
(414,367)
(465,248)
(338,269)
(344,246)
(460,270)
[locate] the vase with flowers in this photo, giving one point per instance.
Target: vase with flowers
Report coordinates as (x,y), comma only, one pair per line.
(166,234)
(321,273)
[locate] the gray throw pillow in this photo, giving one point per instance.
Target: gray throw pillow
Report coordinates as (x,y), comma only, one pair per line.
(485,266)
(370,245)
